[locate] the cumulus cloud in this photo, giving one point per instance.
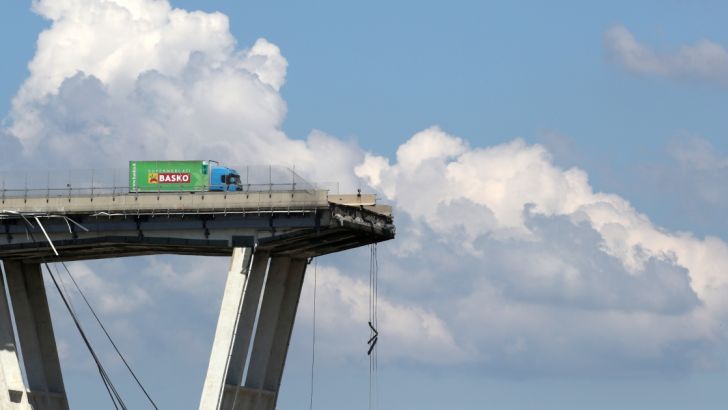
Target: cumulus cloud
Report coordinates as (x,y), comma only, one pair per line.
(692,182)
(409,331)
(531,244)
(112,297)
(704,60)
(697,153)
(139,79)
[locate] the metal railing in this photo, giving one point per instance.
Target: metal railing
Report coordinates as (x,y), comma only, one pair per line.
(115,182)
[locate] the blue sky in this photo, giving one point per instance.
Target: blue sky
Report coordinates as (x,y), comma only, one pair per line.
(650,129)
(492,72)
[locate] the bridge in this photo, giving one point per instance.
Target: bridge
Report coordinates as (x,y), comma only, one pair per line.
(269,234)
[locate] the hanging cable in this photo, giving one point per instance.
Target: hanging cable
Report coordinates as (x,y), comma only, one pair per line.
(313,336)
(113,393)
(376,316)
(373,325)
(108,336)
(108,384)
(376,324)
(93,312)
(371,329)
(63,286)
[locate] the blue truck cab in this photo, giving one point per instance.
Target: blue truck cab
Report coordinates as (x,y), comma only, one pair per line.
(223,178)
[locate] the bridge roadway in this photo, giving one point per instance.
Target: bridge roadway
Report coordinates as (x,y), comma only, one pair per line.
(271,236)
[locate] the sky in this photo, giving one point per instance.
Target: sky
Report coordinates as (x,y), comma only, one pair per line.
(557,173)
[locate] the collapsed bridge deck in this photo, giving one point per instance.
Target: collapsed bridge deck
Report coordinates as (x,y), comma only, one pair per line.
(301,223)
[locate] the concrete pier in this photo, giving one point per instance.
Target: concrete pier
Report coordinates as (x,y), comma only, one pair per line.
(45,388)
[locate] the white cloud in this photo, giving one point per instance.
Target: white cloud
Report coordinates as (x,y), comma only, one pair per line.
(109,296)
(137,36)
(697,153)
(407,331)
(703,60)
(691,183)
(197,277)
(139,79)
(530,244)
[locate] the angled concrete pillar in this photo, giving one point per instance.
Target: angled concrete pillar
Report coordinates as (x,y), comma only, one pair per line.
(244,331)
(35,334)
(234,326)
(273,334)
(12,388)
(284,325)
(280,290)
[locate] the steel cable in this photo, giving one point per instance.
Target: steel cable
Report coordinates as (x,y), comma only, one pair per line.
(106,379)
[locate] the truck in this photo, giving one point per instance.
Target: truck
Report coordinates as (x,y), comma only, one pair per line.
(182,176)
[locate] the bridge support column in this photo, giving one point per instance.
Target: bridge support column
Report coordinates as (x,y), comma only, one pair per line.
(273,333)
(225,334)
(12,388)
(280,290)
(45,390)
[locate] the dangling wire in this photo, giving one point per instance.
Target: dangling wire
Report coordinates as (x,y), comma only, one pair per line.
(376,322)
(108,384)
(373,325)
(65,297)
(108,336)
(113,393)
(63,286)
(313,336)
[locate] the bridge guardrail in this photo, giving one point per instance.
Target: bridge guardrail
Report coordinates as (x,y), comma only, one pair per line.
(114,182)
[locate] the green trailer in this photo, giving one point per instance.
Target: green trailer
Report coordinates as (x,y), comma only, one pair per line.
(181,176)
